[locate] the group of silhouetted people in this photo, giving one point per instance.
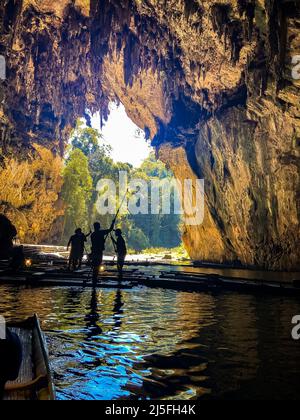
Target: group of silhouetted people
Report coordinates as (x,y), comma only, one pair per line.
(98,240)
(15,254)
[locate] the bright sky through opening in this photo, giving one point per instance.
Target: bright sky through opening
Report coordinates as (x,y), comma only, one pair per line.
(127,141)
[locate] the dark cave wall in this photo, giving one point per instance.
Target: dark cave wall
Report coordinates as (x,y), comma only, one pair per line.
(210,81)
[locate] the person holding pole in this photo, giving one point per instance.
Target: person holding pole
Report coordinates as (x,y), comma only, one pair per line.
(98,239)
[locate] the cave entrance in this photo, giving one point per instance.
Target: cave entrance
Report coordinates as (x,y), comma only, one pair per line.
(128,142)
(99,159)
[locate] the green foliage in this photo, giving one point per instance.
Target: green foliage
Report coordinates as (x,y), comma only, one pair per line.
(88,162)
(152,168)
(161,230)
(87,139)
(177,253)
(76,192)
(137,239)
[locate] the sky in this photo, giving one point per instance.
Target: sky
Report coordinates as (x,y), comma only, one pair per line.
(129,145)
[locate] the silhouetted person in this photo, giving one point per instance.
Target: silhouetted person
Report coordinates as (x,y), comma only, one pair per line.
(98,239)
(18,258)
(10,359)
(77,242)
(7,234)
(121,250)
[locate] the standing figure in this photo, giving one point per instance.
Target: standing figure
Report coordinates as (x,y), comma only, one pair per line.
(121,250)
(98,239)
(18,258)
(77,242)
(7,234)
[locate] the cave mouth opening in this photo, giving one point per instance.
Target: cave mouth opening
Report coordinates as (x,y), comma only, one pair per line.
(106,162)
(128,142)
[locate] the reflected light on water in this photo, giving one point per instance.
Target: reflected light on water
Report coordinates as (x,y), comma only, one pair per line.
(154,343)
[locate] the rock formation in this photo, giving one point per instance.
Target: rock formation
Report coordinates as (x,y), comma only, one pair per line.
(209,81)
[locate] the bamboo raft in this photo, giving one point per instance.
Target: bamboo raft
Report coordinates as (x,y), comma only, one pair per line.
(237,284)
(56,275)
(35,379)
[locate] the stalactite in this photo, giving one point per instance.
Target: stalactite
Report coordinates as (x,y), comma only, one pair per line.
(60,60)
(247,9)
(190,8)
(220,17)
(225,38)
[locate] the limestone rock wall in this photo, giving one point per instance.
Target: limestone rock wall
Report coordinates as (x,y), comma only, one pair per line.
(211,83)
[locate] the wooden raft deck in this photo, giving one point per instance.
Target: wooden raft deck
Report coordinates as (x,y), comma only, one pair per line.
(43,275)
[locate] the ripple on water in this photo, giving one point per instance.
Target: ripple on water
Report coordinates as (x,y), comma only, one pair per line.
(154,343)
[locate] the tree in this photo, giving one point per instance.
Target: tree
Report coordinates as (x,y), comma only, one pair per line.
(137,240)
(76,192)
(162,230)
(86,139)
(154,168)
(143,231)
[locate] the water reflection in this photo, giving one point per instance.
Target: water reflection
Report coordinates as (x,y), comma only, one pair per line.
(154,343)
(118,311)
(92,318)
(269,276)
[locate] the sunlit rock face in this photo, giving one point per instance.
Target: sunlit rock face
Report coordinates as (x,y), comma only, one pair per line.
(210,82)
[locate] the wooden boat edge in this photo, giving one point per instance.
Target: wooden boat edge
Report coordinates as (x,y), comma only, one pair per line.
(45,352)
(34,324)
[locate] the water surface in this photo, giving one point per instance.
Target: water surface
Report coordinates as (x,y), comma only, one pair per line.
(155,343)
